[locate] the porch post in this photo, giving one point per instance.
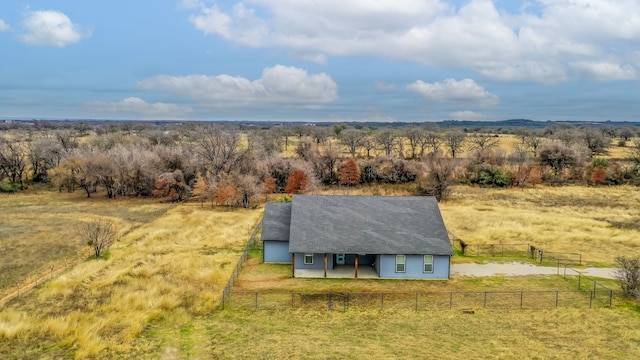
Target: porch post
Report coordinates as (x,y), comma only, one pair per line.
(293,265)
(356,266)
(325,264)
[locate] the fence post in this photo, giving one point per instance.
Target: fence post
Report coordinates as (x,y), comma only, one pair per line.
(485,299)
(579,280)
(557,293)
(580,259)
(382,301)
(292,300)
(541,254)
(610,297)
(256,300)
(590,298)
(521,298)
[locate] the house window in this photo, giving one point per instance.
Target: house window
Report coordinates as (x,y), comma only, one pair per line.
(308,259)
(400,263)
(428,263)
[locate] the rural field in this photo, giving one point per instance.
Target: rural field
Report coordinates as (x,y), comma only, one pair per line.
(157,293)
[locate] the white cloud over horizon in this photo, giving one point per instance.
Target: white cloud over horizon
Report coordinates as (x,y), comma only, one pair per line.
(465,91)
(134,106)
(470,115)
(536,44)
(4,26)
(279,85)
(51,28)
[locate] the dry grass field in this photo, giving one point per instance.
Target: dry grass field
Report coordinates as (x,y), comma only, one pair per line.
(38,228)
(156,295)
(158,277)
(599,222)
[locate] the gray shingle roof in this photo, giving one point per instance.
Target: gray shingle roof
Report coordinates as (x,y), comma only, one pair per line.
(276,221)
(367,225)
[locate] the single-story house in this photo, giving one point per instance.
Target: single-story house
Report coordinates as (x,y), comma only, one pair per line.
(397,236)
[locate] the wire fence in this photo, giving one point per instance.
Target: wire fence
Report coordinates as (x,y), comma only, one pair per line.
(252,243)
(525,299)
(43,274)
(515,250)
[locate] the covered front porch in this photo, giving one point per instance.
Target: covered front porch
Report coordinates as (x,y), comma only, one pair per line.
(328,265)
(338,272)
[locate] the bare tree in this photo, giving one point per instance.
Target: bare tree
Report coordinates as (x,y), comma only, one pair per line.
(594,140)
(558,157)
(217,146)
(368,144)
(439,177)
(321,134)
(13,161)
(432,141)
(455,140)
(482,141)
(415,137)
(352,139)
(98,234)
(387,139)
(628,274)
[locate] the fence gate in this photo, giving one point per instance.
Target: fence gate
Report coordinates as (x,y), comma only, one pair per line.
(337,302)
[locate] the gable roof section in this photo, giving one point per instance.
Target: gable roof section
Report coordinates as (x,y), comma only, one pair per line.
(367,225)
(276,221)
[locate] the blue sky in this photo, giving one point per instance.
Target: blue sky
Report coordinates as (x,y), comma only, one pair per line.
(330,60)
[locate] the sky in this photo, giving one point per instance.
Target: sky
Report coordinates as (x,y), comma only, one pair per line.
(329,60)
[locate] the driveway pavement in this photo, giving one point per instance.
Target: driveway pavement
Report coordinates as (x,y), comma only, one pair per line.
(516,268)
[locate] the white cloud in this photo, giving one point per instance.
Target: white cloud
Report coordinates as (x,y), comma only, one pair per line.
(141,109)
(385,86)
(537,43)
(469,115)
(4,26)
(51,28)
(465,91)
(605,71)
(279,85)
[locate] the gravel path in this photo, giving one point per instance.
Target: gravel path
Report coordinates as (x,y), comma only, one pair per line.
(516,268)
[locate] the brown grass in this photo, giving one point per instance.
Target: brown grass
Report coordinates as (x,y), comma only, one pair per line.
(588,220)
(156,296)
(38,228)
(168,270)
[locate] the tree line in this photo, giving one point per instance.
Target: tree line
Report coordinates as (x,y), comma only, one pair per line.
(233,165)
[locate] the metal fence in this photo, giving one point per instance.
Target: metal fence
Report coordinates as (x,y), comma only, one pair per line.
(501,250)
(418,300)
(251,244)
(43,274)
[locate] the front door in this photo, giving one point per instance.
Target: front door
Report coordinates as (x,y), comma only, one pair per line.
(340,259)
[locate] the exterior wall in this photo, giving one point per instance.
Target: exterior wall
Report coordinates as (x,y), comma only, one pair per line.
(386,266)
(318,261)
(276,252)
